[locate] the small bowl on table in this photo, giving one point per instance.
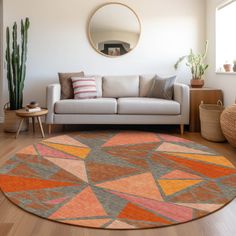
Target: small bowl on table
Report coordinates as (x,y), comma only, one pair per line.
(33,105)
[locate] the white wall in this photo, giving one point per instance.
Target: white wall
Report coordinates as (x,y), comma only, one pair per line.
(226,82)
(58,39)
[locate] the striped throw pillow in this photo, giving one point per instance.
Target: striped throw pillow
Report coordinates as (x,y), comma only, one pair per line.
(84,87)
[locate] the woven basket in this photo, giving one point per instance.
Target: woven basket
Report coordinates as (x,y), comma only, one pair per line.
(210,121)
(12,121)
(228,124)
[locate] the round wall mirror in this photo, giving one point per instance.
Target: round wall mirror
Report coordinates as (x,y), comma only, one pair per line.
(114,29)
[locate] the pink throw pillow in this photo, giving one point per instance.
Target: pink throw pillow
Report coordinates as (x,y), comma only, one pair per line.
(84,87)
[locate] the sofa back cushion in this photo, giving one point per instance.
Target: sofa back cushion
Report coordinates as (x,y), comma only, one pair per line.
(98,80)
(120,86)
(146,82)
(67,91)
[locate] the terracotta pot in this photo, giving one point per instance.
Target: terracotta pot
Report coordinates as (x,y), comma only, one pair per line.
(197,83)
(12,122)
(228,67)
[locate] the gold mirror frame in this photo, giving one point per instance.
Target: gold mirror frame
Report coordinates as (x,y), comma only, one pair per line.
(89,28)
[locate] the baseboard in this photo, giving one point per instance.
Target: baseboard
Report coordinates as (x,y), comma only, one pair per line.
(1,119)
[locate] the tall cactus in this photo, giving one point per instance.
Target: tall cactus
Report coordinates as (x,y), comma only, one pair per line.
(16,57)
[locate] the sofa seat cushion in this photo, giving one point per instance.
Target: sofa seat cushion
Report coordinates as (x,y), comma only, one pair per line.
(87,106)
(147,106)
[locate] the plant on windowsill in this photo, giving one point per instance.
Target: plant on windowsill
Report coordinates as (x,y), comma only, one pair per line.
(227,67)
(16,57)
(197,65)
(234,68)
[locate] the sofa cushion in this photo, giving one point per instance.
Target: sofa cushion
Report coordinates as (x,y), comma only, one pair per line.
(98,80)
(162,88)
(84,87)
(67,91)
(87,106)
(147,106)
(146,82)
(120,86)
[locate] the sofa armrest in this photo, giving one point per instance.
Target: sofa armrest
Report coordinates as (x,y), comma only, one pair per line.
(181,95)
(53,95)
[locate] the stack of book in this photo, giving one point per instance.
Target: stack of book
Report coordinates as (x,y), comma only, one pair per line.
(35,109)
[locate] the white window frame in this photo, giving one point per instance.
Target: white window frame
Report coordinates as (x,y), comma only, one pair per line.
(218,69)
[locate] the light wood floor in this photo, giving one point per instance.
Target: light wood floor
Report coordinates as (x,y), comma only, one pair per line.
(16,222)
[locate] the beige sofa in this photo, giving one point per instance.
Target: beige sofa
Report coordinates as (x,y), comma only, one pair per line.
(121,100)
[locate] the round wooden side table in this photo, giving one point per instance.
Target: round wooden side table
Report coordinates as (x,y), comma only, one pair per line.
(23,114)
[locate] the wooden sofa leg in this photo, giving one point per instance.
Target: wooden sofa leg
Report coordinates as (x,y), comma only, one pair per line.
(49,129)
(182,129)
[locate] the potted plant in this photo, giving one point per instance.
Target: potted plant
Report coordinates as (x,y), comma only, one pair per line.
(227,67)
(16,57)
(197,65)
(234,68)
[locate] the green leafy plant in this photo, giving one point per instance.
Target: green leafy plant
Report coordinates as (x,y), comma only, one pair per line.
(16,57)
(195,62)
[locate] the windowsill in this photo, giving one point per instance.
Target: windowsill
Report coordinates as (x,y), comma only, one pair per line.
(225,73)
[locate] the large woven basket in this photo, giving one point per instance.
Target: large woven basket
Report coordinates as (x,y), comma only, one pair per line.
(210,121)
(12,121)
(228,124)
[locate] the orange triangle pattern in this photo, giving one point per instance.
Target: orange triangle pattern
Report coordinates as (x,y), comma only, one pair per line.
(51,152)
(177,174)
(133,212)
(75,151)
(170,147)
(202,168)
(65,140)
(142,185)
(125,138)
(219,160)
(16,183)
(30,150)
(85,204)
(173,186)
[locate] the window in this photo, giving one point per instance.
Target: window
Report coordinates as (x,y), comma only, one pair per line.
(226,35)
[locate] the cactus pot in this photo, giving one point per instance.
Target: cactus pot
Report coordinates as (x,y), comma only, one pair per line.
(12,122)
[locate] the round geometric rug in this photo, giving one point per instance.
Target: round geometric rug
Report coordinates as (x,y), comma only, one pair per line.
(119,180)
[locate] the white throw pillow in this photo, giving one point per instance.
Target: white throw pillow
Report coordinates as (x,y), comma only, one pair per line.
(84,87)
